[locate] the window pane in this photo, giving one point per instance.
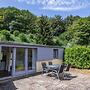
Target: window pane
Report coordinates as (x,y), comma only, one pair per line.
(20,59)
(29,59)
(55,53)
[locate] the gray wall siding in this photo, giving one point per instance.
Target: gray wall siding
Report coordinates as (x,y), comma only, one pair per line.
(44,53)
(47,53)
(60,53)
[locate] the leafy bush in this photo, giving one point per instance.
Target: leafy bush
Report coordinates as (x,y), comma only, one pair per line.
(5,36)
(78,57)
(23,37)
(32,38)
(16,33)
(79,32)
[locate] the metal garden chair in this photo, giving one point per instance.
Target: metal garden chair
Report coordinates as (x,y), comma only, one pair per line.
(67,70)
(44,67)
(59,73)
(50,63)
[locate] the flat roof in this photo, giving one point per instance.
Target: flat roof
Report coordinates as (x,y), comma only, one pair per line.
(27,44)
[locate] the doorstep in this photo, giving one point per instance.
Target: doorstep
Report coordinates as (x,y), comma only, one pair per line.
(5,79)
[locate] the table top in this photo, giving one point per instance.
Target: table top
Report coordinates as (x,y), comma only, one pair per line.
(54,66)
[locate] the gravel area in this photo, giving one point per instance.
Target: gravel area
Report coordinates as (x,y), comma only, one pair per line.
(76,81)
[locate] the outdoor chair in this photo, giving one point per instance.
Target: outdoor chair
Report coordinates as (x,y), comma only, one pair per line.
(50,63)
(68,67)
(44,67)
(67,70)
(59,73)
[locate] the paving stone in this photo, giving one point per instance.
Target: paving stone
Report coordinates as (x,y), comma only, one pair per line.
(78,81)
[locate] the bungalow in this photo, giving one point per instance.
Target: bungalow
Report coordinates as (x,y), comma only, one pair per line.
(19,59)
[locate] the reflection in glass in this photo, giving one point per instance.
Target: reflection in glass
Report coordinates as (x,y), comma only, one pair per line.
(20,54)
(29,59)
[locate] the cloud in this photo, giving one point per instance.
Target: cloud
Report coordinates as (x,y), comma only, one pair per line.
(59,5)
(66,5)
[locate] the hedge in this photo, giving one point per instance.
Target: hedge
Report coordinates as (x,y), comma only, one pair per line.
(78,57)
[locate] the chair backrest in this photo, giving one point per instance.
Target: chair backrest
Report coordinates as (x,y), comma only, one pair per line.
(50,63)
(61,68)
(43,65)
(68,67)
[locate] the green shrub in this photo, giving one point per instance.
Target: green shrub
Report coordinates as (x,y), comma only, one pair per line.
(16,33)
(78,57)
(5,36)
(23,37)
(31,38)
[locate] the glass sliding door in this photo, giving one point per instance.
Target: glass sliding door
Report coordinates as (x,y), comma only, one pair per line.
(29,59)
(20,56)
(5,61)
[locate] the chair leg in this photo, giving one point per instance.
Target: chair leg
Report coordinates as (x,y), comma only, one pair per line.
(61,76)
(58,76)
(42,72)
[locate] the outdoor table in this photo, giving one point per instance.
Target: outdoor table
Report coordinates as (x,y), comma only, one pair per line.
(53,67)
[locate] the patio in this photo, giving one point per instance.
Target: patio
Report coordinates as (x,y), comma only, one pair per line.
(78,81)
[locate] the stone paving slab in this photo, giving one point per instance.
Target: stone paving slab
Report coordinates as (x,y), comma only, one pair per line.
(43,82)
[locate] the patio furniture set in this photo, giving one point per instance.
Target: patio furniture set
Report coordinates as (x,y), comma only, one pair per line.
(57,70)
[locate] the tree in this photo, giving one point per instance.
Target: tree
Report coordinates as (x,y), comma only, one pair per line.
(6,36)
(21,20)
(81,31)
(70,19)
(44,33)
(9,16)
(78,33)
(26,27)
(16,33)
(57,25)
(23,37)
(27,22)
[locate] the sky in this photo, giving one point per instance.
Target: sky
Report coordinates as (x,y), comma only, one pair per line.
(51,7)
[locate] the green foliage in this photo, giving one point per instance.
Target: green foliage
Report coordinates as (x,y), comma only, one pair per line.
(77,34)
(6,36)
(58,25)
(81,31)
(59,41)
(44,33)
(73,30)
(78,56)
(23,37)
(21,20)
(32,38)
(16,33)
(70,19)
